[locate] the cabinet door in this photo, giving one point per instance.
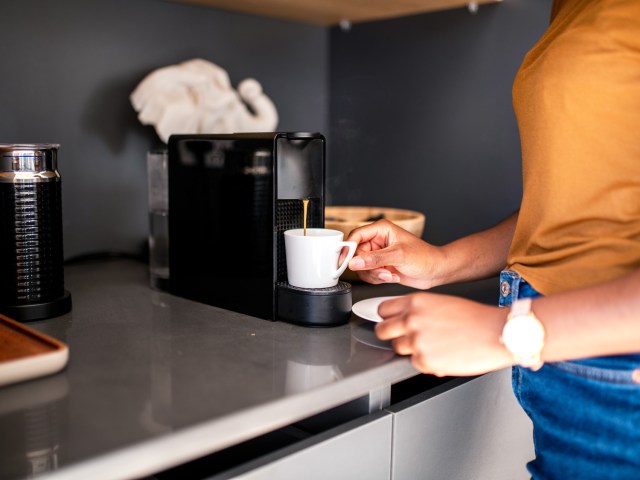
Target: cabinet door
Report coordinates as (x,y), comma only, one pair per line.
(360,449)
(475,430)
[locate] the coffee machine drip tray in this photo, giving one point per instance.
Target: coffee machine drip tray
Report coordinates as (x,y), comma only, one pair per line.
(314,307)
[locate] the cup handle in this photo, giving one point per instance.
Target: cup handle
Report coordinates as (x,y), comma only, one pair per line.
(352,250)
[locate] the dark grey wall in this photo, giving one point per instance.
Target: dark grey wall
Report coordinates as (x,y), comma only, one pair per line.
(421,115)
(68,67)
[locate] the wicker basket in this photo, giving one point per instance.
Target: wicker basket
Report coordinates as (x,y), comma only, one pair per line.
(347,219)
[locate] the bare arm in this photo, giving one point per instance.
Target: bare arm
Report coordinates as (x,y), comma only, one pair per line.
(593,321)
(388,254)
(479,255)
(454,336)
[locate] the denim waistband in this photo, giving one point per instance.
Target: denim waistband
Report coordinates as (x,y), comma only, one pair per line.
(513,287)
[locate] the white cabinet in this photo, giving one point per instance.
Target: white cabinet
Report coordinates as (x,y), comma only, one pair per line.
(359,449)
(475,431)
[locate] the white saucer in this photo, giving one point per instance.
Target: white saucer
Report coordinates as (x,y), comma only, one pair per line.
(368,309)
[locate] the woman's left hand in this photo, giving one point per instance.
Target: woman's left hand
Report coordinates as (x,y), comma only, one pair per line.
(445,335)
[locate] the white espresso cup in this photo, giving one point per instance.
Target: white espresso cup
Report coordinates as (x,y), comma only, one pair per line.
(312,259)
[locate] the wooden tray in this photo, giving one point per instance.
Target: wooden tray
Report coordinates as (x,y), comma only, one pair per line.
(26,353)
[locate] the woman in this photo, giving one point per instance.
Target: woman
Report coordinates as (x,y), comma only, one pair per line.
(570,256)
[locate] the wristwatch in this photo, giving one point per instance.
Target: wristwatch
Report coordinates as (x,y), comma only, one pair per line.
(523,335)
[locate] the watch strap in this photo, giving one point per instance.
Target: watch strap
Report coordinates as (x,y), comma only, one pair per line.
(522,308)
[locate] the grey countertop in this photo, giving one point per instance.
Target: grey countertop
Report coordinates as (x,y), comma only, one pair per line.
(155,380)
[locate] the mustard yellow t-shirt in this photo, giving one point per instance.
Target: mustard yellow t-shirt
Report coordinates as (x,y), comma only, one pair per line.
(577,102)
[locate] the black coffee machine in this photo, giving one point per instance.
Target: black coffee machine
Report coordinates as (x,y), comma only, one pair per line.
(231,197)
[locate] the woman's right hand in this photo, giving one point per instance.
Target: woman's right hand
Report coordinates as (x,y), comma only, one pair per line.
(387,253)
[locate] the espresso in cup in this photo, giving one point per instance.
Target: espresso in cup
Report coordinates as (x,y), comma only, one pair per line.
(312,256)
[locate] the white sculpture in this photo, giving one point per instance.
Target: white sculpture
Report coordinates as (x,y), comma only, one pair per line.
(196,96)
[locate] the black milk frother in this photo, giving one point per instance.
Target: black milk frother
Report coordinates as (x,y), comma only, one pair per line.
(31,253)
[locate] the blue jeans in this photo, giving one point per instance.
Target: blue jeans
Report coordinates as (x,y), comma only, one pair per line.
(585,413)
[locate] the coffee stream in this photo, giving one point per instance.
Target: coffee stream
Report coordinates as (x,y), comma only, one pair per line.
(305,205)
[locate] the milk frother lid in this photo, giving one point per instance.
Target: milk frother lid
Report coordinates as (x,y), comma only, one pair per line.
(28,157)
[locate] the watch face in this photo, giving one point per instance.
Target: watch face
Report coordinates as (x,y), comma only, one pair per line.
(523,336)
